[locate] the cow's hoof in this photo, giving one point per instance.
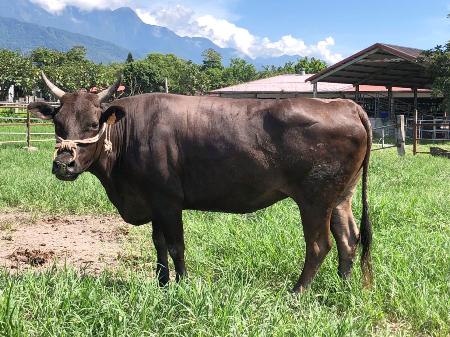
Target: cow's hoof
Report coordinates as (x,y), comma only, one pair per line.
(163,280)
(345,275)
(298,290)
(180,277)
(163,283)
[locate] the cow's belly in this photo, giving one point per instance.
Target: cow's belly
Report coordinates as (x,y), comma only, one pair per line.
(239,200)
(227,188)
(135,214)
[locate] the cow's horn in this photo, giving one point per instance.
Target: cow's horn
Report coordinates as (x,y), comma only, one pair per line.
(53,88)
(107,93)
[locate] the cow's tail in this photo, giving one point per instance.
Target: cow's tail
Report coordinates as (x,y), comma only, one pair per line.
(366,227)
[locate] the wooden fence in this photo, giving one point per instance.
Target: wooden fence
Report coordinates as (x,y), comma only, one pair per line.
(16,114)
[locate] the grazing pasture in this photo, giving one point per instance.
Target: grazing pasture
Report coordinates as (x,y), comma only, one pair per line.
(241,266)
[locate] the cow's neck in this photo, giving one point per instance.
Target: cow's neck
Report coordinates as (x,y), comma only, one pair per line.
(105,163)
(114,174)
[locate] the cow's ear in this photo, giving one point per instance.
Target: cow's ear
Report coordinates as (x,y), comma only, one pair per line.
(41,110)
(112,115)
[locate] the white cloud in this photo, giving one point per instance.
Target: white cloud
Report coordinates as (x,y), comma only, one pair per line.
(225,34)
(186,21)
(146,17)
(323,48)
(56,6)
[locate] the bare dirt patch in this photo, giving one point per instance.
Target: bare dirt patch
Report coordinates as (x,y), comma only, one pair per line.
(89,243)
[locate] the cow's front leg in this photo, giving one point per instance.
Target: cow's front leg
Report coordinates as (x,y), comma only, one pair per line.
(168,217)
(162,263)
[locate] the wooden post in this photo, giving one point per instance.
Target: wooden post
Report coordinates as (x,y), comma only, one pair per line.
(415,98)
(377,105)
(357,93)
(400,135)
(28,129)
(390,104)
(434,129)
(166,84)
(415,133)
(315,89)
(28,132)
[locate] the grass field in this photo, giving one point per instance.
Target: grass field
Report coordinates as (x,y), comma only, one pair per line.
(241,266)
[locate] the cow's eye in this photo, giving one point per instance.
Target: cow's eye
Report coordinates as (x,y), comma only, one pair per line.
(94,126)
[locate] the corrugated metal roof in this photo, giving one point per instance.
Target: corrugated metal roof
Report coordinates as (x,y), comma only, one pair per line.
(283,83)
(297,83)
(379,64)
(411,52)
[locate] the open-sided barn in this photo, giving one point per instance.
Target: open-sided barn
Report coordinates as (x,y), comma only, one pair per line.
(386,80)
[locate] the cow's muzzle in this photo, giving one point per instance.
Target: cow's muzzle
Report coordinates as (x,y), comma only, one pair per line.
(64,169)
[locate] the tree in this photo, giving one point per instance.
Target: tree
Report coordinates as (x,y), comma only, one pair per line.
(17,70)
(192,80)
(437,61)
(211,59)
(43,57)
(310,66)
(76,54)
(213,78)
(238,71)
(71,70)
(129,58)
(149,74)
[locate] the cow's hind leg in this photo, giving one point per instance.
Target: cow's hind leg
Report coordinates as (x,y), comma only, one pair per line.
(162,263)
(345,232)
(316,229)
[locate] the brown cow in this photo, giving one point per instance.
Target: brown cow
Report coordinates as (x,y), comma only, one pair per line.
(158,154)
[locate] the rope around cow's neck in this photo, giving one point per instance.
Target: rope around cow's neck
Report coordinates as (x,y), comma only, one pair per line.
(72,144)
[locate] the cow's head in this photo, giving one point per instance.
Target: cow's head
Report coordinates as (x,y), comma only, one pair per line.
(79,121)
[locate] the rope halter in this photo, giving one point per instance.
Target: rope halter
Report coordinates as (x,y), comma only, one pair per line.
(71,145)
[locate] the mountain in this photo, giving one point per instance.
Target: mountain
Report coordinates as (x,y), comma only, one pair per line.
(18,35)
(124,28)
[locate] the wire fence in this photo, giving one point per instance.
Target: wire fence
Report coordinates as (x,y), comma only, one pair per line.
(429,130)
(380,134)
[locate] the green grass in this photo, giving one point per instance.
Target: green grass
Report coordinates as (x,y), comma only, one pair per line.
(241,266)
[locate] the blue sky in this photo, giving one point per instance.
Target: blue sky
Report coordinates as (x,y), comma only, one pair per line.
(327,29)
(353,24)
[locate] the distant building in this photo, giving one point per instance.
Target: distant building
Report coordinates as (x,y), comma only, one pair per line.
(373,97)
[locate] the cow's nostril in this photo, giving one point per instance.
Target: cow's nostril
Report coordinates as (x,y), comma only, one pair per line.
(61,167)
